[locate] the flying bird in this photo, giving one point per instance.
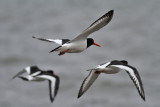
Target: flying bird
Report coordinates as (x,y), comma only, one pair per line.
(112,67)
(80,42)
(35,74)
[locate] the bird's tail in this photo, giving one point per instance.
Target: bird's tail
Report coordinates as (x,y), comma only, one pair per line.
(23,78)
(55,49)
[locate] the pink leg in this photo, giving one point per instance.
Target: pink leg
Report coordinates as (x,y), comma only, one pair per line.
(98,72)
(61,53)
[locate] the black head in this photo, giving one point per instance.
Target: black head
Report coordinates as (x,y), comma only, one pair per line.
(50,72)
(117,62)
(90,42)
(124,61)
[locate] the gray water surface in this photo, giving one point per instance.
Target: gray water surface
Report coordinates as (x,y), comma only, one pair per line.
(133,35)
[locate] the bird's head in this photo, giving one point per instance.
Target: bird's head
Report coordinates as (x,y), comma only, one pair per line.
(50,72)
(124,61)
(90,42)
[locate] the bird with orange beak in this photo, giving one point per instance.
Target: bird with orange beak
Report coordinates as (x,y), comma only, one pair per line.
(80,42)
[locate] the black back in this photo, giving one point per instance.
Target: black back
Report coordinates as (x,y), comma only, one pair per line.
(65,41)
(34,69)
(116,62)
(124,61)
(50,72)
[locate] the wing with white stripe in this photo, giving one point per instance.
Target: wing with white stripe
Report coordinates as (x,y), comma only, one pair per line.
(95,26)
(53,85)
(35,73)
(134,75)
(88,81)
(57,41)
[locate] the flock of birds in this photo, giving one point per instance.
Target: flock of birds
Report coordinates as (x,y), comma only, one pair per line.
(79,44)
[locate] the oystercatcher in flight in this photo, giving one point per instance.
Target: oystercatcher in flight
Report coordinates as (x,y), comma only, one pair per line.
(81,42)
(35,74)
(113,67)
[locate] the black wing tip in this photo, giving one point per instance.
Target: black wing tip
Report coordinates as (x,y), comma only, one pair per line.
(111,12)
(51,51)
(79,95)
(33,37)
(143,97)
(52,100)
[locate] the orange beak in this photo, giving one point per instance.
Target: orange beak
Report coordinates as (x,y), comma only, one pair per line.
(97,44)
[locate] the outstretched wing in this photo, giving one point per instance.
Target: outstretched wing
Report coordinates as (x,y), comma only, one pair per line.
(53,85)
(27,69)
(88,81)
(53,89)
(135,77)
(57,41)
(95,26)
(18,74)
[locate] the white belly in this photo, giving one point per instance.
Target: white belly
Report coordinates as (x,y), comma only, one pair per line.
(77,47)
(30,78)
(108,70)
(111,70)
(39,79)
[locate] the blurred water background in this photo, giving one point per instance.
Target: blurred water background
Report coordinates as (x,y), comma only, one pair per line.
(133,34)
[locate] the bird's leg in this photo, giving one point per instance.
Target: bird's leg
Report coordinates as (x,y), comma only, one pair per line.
(61,53)
(98,72)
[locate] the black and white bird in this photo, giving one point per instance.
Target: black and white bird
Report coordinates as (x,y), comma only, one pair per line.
(35,74)
(81,42)
(112,67)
